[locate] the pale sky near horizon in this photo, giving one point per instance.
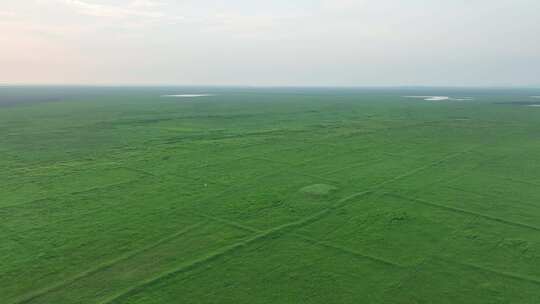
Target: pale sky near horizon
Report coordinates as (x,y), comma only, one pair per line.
(277,42)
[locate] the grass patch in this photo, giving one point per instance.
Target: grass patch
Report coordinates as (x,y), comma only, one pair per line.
(268,196)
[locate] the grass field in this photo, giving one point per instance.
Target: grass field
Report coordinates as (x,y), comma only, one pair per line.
(119,195)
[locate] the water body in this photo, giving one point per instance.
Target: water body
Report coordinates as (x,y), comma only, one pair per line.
(440,98)
(187,95)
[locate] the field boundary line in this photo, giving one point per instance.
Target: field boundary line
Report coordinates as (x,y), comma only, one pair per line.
(355,165)
(217,163)
(108,264)
(411,275)
(279,230)
(245,183)
(400,176)
(463,211)
(54,197)
(105,187)
(390,128)
(514,180)
(348,251)
(140,171)
(276,231)
(316,177)
(228,222)
(490,196)
(348,151)
(422,168)
(455,175)
(170,177)
(515,276)
(295,171)
(271,161)
(306,238)
(35,201)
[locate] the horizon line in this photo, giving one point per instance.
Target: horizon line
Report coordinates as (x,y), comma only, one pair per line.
(134,85)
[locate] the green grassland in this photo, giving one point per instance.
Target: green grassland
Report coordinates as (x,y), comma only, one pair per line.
(118,195)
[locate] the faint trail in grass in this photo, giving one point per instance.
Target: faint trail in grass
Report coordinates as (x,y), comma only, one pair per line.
(399,156)
(219,136)
(324,179)
(196,180)
(309,160)
(106,265)
(295,172)
(228,222)
(529,183)
(28,203)
(98,188)
(453,177)
(271,233)
(141,171)
(274,232)
(515,276)
(271,160)
(348,251)
(466,212)
(220,162)
(362,133)
(485,195)
(240,186)
(356,165)
(306,238)
(280,150)
(15,237)
(413,171)
(422,168)
(411,275)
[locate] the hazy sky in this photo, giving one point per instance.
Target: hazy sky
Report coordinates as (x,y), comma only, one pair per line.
(271,42)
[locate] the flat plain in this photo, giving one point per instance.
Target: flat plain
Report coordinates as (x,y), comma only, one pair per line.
(242,195)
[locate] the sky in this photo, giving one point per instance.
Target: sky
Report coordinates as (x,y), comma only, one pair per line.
(271,43)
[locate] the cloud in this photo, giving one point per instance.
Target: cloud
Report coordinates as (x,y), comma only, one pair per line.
(273,42)
(135,9)
(7,14)
(144,3)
